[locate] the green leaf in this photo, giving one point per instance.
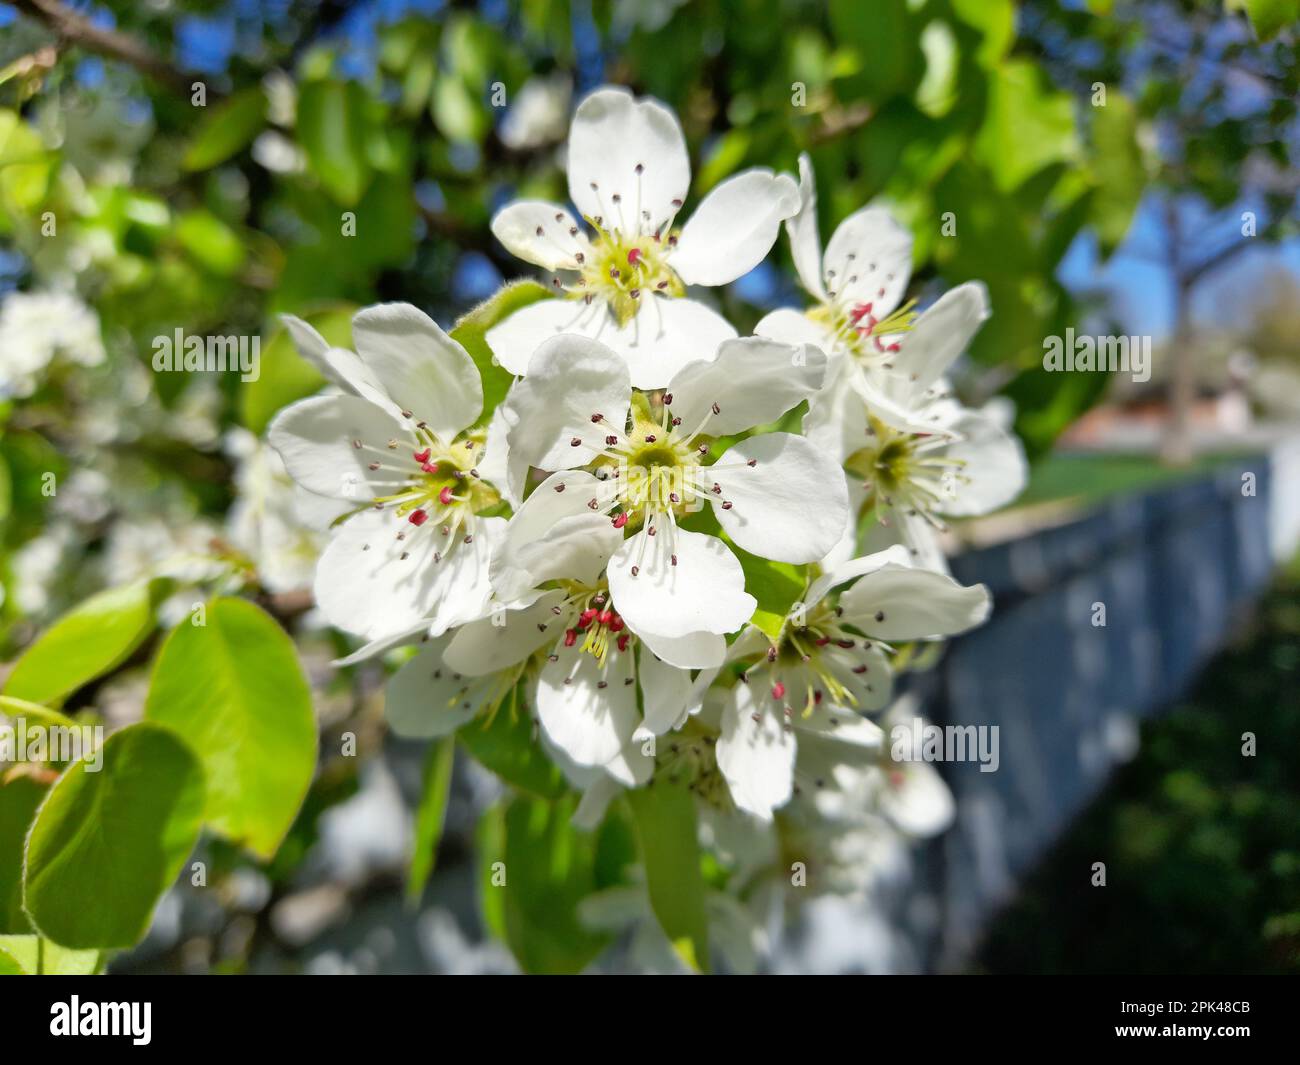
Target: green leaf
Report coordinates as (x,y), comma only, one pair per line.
(9,965)
(549,868)
(776,585)
(210,242)
(490,852)
(664,813)
(470,333)
(1121,178)
(506,745)
(431,815)
(285,375)
(227,128)
(233,687)
(106,844)
(26,952)
(87,642)
(1028,125)
(1271,17)
(332,130)
(458,114)
(19,799)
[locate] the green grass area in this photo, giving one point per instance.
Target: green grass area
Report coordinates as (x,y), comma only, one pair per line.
(1201,842)
(1088,478)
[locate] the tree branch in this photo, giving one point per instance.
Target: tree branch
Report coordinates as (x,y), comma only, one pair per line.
(112,44)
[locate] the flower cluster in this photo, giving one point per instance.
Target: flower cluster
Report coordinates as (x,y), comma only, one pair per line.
(652,540)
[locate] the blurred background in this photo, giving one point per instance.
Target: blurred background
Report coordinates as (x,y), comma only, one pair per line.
(1111,167)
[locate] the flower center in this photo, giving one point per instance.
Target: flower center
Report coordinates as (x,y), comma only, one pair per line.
(623,271)
(657,463)
(906,469)
(804,651)
(867,338)
(433,484)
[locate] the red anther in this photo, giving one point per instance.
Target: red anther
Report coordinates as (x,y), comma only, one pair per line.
(817,697)
(622,641)
(429,467)
(778,690)
(570,637)
(616,624)
(422,456)
(634,256)
(585,618)
(859,312)
(620,519)
(444,497)
(892,347)
(823,641)
(606,616)
(417,517)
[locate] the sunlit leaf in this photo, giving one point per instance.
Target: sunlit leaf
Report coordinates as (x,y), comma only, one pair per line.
(664,813)
(107,843)
(226,128)
(85,643)
(233,687)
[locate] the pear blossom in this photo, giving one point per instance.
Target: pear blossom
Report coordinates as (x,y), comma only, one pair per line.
(643,462)
(398,443)
(827,665)
(914,455)
(628,176)
(598,692)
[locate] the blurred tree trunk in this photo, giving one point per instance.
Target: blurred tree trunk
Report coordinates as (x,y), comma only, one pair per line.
(1176,447)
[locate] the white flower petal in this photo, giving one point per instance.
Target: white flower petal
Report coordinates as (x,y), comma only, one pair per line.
(910,533)
(589,712)
(794,327)
(755,756)
(666,335)
(555,534)
(338,365)
(540,233)
(847,571)
(734,228)
(505,638)
(900,603)
(664,693)
(995,470)
(421,368)
(591,812)
(632,149)
(694,650)
(364,586)
(941,334)
(805,241)
(378,647)
(570,380)
(425,699)
(869,260)
(916,799)
(704,592)
(836,422)
(316,439)
(514,340)
(790,505)
(752,381)
(507,473)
